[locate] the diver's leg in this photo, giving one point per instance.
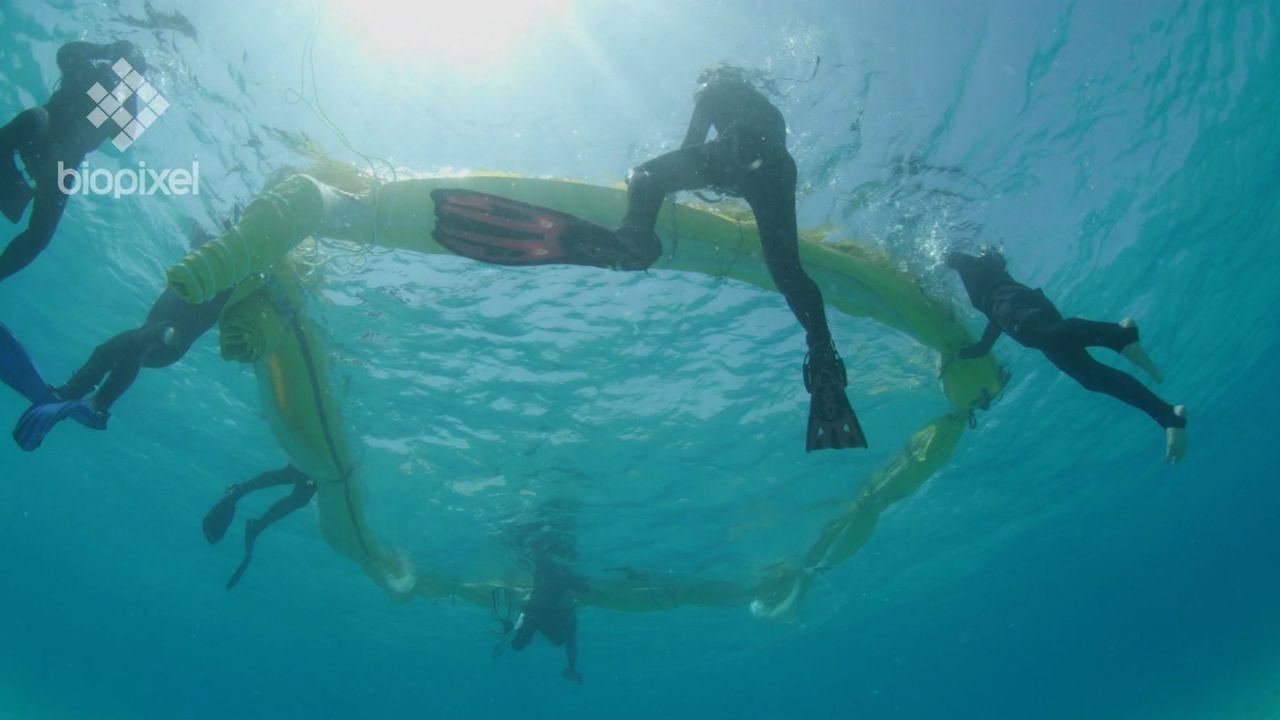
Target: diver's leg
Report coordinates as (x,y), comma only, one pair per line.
(22,128)
(219,517)
(648,185)
(287,475)
(128,361)
(774,207)
(24,248)
(304,488)
(303,491)
(26,128)
(1075,332)
(1096,377)
(770,191)
(104,358)
(1121,337)
(118,381)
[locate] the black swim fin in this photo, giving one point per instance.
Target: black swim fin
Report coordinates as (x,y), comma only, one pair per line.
(251,530)
(215,523)
(499,230)
(832,424)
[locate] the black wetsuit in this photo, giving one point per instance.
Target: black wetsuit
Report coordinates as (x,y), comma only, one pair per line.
(747,158)
(1028,317)
(120,358)
(215,523)
(58,132)
(550,611)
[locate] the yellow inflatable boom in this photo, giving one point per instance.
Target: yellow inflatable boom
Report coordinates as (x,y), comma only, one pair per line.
(264,324)
(401,215)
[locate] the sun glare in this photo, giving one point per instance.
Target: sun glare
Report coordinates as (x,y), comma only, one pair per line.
(475,34)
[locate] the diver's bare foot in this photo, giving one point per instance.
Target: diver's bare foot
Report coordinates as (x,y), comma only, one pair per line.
(1134,353)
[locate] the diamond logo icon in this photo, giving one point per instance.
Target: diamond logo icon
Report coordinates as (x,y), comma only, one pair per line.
(97,117)
(111,104)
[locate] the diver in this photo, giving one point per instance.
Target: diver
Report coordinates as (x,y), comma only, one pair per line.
(550,609)
(219,517)
(748,158)
(1029,318)
(547,542)
(58,132)
(171,328)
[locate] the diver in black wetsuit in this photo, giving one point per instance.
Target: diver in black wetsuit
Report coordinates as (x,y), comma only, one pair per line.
(546,541)
(1029,317)
(551,610)
(58,132)
(171,327)
(216,521)
(748,158)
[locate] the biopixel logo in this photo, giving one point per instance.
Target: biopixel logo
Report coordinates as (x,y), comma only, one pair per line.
(113,105)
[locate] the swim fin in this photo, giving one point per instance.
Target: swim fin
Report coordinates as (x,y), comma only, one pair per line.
(18,372)
(832,424)
(251,530)
(40,418)
(498,230)
(215,523)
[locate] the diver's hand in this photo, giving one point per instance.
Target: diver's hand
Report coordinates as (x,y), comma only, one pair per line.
(572,676)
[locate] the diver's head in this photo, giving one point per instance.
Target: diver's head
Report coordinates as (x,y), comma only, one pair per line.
(722,73)
(991,255)
(988,257)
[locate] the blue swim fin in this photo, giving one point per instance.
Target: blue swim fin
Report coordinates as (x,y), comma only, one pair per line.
(39,419)
(18,372)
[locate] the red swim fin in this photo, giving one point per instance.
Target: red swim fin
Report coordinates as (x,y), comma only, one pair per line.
(498,230)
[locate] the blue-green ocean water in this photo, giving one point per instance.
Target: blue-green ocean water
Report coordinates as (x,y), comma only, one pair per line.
(1125,155)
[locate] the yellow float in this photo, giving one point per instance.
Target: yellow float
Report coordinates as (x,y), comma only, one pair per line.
(265,325)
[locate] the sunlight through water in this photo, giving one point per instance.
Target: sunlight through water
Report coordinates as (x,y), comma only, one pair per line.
(478,35)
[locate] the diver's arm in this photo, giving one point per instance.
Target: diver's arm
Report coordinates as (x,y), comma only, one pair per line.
(699,125)
(983,346)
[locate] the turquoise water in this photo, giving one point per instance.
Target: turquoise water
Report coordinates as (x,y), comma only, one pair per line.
(1126,157)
